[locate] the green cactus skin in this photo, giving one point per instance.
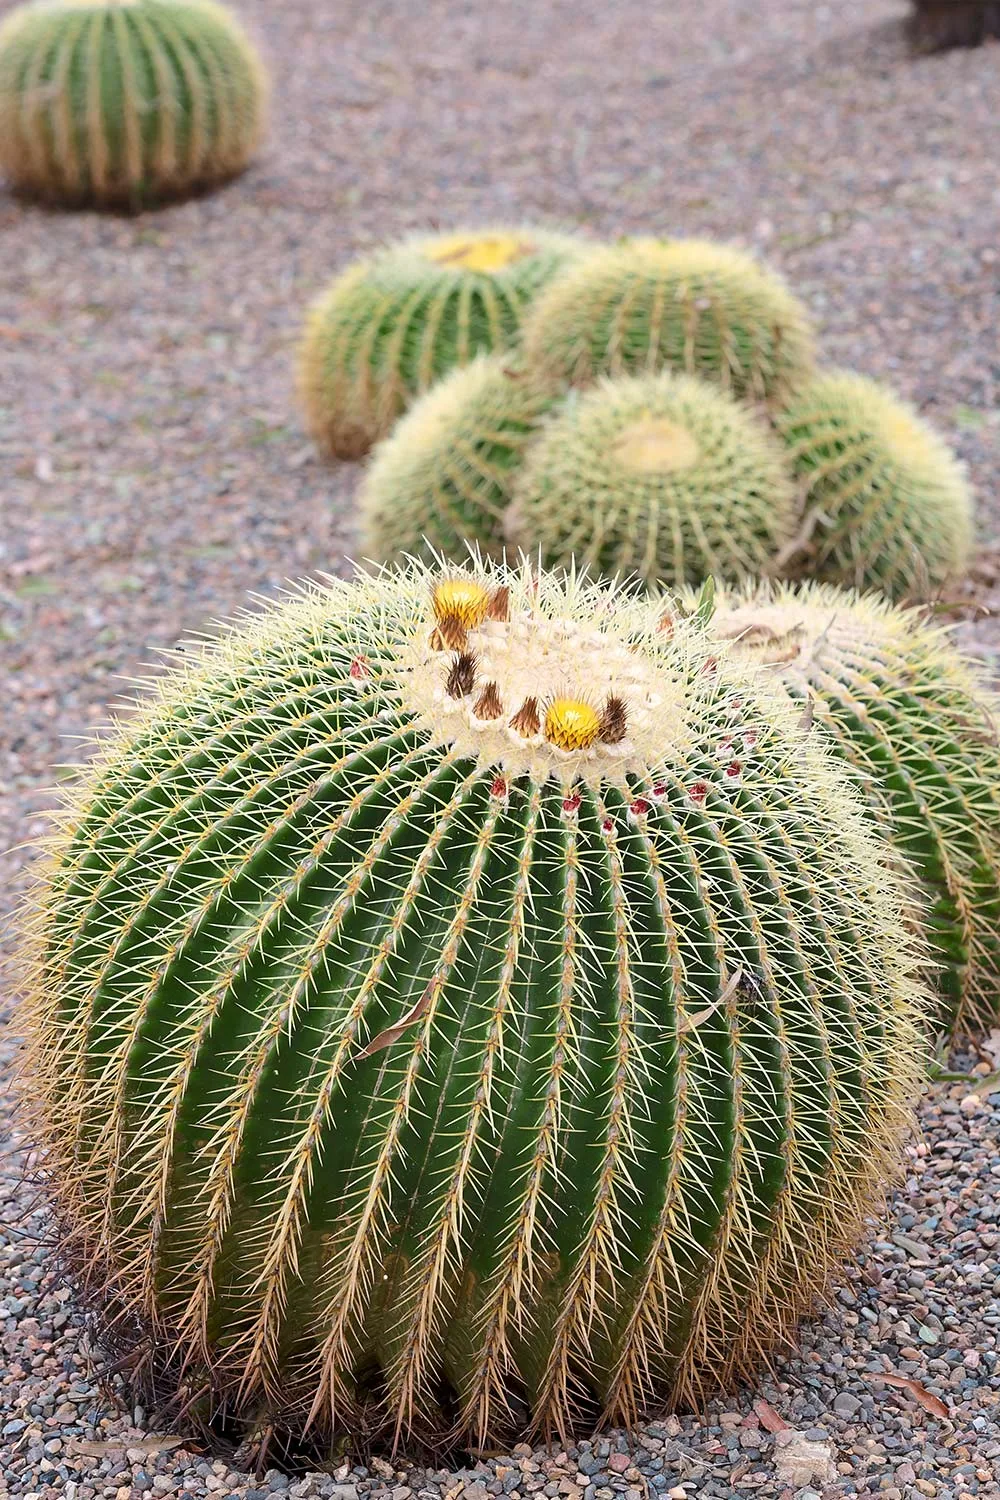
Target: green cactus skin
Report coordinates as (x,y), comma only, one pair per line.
(918,724)
(887,505)
(387,1049)
(687,305)
(444,477)
(121,103)
(660,476)
(391,326)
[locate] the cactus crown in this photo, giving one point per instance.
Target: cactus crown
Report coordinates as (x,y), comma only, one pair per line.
(483,253)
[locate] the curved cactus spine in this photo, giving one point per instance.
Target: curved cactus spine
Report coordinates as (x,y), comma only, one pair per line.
(390,326)
(406,907)
(918,725)
(687,305)
(660,476)
(443,478)
(123,102)
(887,504)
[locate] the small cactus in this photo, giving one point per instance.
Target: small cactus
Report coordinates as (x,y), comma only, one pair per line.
(125,102)
(443,478)
(938,24)
(660,476)
(461,1005)
(645,305)
(887,505)
(391,326)
(919,726)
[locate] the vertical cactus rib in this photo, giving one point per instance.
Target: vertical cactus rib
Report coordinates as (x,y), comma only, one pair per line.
(459,1064)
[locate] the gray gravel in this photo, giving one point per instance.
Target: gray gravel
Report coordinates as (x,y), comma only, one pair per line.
(155,468)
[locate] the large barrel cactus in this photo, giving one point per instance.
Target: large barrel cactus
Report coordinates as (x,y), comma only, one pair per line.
(689,305)
(445,475)
(391,325)
(660,476)
(887,504)
(459,1004)
(919,726)
(125,102)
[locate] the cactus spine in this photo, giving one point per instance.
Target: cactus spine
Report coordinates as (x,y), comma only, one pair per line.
(389,327)
(658,476)
(453,987)
(918,725)
(685,305)
(444,476)
(123,102)
(887,505)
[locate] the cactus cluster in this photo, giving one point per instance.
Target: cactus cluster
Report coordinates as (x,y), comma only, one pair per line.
(443,480)
(688,305)
(660,477)
(919,728)
(126,102)
(463,1007)
(887,504)
(390,326)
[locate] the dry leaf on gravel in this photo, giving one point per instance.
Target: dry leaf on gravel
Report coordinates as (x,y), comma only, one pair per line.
(152,1443)
(769,1418)
(926,1398)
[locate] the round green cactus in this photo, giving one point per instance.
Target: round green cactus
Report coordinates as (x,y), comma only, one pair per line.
(660,476)
(443,479)
(126,102)
(918,724)
(391,326)
(459,1004)
(887,505)
(687,305)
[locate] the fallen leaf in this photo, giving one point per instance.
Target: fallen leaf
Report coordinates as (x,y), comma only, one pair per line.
(731,985)
(927,1399)
(393,1033)
(100,1447)
(769,1418)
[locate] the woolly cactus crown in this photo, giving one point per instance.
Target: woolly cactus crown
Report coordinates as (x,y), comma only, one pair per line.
(455,993)
(121,102)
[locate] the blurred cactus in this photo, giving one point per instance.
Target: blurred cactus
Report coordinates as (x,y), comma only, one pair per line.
(126,102)
(443,478)
(887,505)
(687,305)
(937,24)
(391,326)
(459,1005)
(660,476)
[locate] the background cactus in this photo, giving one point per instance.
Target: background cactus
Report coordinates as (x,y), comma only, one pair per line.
(657,475)
(457,990)
(918,723)
(443,478)
(687,305)
(121,102)
(954,23)
(887,505)
(389,327)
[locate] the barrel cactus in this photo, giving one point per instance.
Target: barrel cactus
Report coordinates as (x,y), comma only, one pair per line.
(390,326)
(126,102)
(443,478)
(918,724)
(687,305)
(660,476)
(887,505)
(460,1005)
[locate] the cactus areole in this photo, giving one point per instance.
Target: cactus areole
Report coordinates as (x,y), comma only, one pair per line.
(460,1009)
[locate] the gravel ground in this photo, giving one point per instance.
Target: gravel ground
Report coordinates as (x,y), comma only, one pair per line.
(154,468)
